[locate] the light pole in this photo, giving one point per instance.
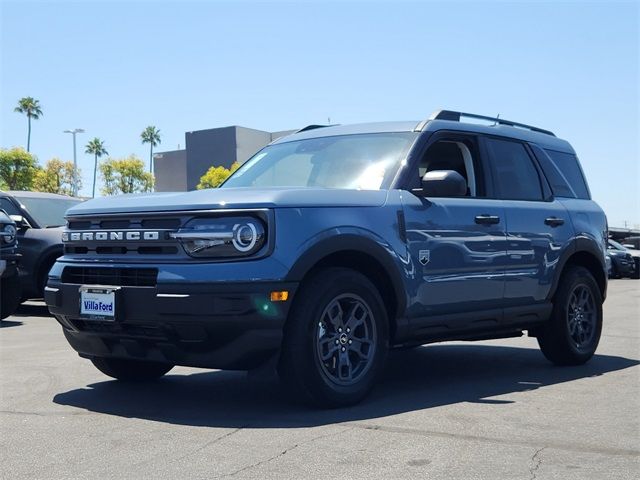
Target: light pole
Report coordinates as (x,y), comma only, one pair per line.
(75,160)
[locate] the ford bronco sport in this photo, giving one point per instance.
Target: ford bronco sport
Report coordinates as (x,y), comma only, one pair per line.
(334,244)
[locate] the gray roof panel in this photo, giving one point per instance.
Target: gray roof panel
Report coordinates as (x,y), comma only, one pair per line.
(542,139)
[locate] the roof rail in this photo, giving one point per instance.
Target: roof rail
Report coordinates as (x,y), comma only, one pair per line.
(311,127)
(455,117)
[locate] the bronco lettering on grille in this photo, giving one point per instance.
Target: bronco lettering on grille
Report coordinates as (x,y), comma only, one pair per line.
(101,236)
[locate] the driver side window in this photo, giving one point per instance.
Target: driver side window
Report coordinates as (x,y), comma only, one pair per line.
(457,155)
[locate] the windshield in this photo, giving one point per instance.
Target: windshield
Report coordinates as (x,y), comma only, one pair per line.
(48,212)
(364,161)
(616,245)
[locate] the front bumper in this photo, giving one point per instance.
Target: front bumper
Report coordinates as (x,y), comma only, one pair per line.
(216,325)
(9,264)
(625,267)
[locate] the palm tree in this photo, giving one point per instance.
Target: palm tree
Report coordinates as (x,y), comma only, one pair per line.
(97,149)
(31,108)
(151,135)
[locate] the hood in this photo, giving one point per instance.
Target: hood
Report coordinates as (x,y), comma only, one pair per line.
(231,198)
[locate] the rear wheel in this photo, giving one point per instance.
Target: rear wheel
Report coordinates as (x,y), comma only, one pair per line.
(572,334)
(336,339)
(131,370)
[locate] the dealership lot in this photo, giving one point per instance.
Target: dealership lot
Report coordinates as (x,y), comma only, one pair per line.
(494,409)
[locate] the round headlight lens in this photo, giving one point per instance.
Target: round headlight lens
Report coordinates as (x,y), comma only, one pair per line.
(9,234)
(245,236)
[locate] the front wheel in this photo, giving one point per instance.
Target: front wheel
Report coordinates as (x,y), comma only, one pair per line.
(335,340)
(572,334)
(130,370)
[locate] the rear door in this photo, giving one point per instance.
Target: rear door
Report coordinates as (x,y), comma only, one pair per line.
(456,245)
(538,227)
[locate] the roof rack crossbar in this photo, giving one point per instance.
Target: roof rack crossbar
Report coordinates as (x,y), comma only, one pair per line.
(455,117)
(311,127)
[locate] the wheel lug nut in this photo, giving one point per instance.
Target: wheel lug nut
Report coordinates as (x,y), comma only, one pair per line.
(343,349)
(337,342)
(339,329)
(350,342)
(348,330)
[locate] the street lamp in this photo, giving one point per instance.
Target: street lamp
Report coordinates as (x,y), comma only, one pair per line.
(75,161)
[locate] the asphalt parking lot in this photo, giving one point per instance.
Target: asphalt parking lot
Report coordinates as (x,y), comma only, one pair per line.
(494,409)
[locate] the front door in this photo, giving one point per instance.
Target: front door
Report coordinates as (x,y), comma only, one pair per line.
(457,245)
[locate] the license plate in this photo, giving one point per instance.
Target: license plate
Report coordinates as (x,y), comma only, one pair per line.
(97,303)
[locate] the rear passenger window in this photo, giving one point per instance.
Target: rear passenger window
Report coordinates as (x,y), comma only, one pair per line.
(567,163)
(8,206)
(516,176)
(559,185)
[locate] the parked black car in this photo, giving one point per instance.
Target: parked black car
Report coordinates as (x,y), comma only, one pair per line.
(9,281)
(622,262)
(39,219)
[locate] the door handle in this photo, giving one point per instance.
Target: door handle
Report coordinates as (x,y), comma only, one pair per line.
(554,221)
(487,219)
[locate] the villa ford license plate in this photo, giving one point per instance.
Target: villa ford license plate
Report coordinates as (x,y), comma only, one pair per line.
(97,303)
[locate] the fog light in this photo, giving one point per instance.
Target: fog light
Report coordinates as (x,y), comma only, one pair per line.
(279,296)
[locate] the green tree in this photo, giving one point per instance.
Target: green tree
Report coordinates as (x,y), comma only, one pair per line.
(17,169)
(216,175)
(151,135)
(125,175)
(57,176)
(31,108)
(96,148)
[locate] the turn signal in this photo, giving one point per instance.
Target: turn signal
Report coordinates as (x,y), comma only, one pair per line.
(279,296)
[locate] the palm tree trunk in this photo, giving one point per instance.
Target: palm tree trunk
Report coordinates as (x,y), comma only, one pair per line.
(29,133)
(95,169)
(151,158)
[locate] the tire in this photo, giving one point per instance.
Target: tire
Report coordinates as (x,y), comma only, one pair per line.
(328,361)
(572,334)
(11,296)
(131,370)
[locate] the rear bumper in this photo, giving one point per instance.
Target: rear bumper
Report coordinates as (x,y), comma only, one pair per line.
(227,326)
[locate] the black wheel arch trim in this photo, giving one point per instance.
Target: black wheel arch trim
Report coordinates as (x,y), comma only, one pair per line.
(578,245)
(50,255)
(351,242)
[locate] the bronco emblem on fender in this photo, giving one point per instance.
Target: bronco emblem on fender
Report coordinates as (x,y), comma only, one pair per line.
(424,256)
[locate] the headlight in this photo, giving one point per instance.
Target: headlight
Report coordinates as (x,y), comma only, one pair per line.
(222,237)
(8,234)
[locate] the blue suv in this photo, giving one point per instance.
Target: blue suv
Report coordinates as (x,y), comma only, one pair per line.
(331,246)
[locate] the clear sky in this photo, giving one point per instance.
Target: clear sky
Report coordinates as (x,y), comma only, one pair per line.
(113,68)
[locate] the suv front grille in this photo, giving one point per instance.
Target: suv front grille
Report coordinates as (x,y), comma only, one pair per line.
(105,236)
(120,277)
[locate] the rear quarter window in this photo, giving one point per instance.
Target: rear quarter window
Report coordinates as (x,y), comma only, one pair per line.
(568,165)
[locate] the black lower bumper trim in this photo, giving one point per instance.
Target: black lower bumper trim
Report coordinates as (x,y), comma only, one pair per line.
(234,326)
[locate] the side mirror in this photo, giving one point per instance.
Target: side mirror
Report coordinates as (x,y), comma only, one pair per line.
(442,183)
(21,222)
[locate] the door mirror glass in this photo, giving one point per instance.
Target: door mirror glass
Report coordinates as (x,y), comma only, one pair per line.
(21,222)
(442,183)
